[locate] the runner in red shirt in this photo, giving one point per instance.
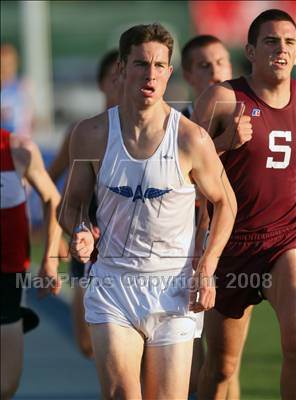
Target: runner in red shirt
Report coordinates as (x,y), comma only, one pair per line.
(20,158)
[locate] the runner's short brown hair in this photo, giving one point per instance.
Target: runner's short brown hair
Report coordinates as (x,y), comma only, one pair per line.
(139,34)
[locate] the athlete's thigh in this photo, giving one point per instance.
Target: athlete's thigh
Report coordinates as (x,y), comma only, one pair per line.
(225,336)
(282,292)
(166,371)
(12,348)
(118,354)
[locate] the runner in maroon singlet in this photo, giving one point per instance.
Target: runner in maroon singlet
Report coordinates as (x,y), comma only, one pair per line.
(263,170)
(260,257)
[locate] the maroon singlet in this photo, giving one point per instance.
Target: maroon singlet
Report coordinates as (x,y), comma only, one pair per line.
(262,172)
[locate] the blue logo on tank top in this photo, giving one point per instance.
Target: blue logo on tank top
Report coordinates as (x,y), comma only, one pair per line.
(127,191)
(256,112)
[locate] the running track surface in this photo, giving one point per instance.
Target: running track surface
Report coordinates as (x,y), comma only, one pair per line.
(53,367)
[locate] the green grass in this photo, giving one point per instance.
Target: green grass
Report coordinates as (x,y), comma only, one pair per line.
(260,369)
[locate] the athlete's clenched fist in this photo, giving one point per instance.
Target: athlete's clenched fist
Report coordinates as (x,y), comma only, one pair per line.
(82,244)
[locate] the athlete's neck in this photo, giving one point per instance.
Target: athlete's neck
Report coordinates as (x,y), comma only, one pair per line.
(146,121)
(275,94)
(111,102)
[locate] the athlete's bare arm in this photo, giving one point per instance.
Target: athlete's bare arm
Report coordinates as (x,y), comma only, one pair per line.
(218,112)
(61,161)
(198,158)
(29,164)
(87,146)
(202,227)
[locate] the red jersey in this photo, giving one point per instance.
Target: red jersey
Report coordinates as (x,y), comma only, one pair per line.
(262,172)
(15,245)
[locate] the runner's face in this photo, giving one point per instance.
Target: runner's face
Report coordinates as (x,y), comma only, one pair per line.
(275,52)
(210,64)
(146,73)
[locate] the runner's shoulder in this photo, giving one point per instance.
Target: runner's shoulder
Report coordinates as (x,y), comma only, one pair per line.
(221,92)
(90,135)
(218,100)
(191,135)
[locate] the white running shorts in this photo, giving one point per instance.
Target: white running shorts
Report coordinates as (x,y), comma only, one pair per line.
(155,305)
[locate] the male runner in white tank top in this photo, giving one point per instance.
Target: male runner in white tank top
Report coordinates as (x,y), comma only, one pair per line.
(143,157)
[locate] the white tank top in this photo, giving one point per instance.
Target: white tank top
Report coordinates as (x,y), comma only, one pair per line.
(145,208)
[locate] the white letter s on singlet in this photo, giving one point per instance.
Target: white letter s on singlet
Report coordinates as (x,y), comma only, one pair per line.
(279,149)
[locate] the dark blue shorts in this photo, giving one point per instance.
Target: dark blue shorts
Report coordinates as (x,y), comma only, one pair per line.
(10,303)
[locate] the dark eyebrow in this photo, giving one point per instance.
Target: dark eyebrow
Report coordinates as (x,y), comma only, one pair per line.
(271,37)
(290,39)
(278,38)
(147,62)
(140,61)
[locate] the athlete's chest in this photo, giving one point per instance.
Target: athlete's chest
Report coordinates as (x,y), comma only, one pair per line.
(273,142)
(159,172)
